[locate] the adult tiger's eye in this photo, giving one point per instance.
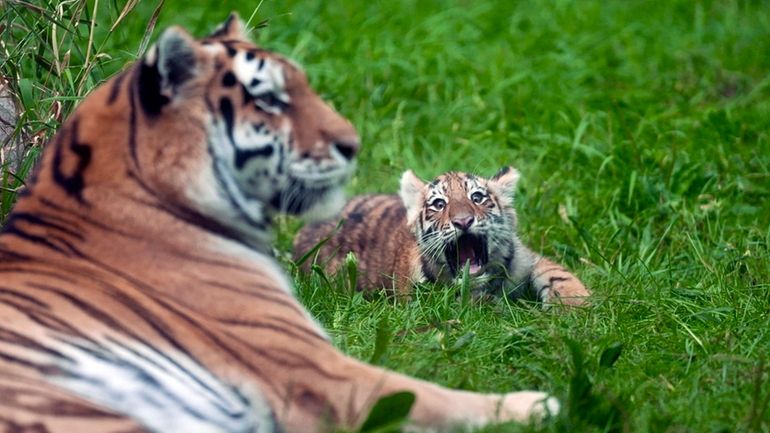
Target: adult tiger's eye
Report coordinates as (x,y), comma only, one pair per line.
(477,197)
(438,204)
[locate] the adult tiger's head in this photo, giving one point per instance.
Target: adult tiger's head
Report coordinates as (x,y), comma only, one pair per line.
(460,219)
(217,130)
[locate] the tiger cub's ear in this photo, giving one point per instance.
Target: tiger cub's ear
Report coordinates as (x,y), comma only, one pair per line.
(504,184)
(232,28)
(168,64)
(411,194)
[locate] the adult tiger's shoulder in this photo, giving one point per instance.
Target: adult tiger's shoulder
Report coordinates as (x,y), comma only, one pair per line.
(433,230)
(134,291)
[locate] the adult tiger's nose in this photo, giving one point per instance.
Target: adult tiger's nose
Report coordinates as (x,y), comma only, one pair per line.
(348,148)
(463,222)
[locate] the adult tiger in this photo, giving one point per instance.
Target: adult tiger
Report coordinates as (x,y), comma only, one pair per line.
(431,230)
(134,293)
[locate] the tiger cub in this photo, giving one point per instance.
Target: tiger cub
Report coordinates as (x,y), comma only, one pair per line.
(433,231)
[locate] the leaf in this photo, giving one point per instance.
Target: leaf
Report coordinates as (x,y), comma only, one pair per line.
(320,272)
(580,386)
(381,341)
(312,252)
(465,285)
(462,342)
(577,354)
(150,27)
(351,269)
(126,9)
(610,355)
(25,93)
(389,413)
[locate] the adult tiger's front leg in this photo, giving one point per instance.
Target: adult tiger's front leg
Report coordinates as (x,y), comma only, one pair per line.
(441,409)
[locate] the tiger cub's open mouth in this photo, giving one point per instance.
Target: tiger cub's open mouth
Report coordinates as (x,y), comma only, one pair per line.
(467,248)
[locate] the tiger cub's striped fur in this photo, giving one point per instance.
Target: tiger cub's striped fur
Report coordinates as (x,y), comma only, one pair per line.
(433,231)
(135,294)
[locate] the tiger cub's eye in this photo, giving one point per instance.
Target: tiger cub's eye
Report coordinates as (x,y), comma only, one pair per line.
(478,197)
(438,204)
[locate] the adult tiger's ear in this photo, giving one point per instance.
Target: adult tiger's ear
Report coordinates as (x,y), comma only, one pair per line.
(232,28)
(411,194)
(168,65)
(504,183)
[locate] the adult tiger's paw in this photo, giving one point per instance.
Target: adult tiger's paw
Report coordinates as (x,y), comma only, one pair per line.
(528,406)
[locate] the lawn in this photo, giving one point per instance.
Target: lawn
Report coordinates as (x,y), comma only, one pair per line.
(642,131)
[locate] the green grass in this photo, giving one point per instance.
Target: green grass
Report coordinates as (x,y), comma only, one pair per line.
(642,133)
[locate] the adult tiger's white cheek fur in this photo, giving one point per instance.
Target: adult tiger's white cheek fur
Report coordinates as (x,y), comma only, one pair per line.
(255,159)
(328,207)
(261,76)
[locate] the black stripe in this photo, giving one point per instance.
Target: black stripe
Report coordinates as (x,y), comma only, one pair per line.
(426,270)
(12,229)
(223,28)
(74,183)
(293,360)
(13,338)
(221,346)
(228,114)
(115,89)
(35,271)
(173,362)
(207,224)
(44,221)
(48,240)
(231,51)
(132,119)
(146,379)
(228,79)
(248,97)
(56,324)
(259,225)
(159,325)
(302,334)
(43,369)
(265,295)
(79,217)
(385,215)
(501,172)
(369,200)
(7,256)
(557,280)
(87,308)
(147,87)
(36,402)
(22,296)
(149,318)
(242,156)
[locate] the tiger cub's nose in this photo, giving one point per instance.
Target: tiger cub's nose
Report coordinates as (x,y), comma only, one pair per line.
(463,222)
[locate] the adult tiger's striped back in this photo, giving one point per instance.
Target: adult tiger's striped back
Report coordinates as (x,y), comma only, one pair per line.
(134,292)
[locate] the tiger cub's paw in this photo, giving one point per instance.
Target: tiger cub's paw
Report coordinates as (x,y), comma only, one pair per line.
(566,292)
(555,285)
